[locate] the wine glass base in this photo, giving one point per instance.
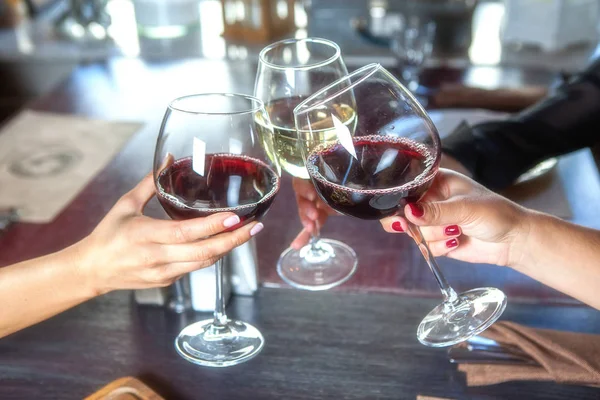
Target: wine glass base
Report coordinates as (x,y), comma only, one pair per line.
(474,312)
(332,264)
(210,345)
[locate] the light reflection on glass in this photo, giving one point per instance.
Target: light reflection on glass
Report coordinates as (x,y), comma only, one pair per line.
(486,47)
(211,29)
(123,28)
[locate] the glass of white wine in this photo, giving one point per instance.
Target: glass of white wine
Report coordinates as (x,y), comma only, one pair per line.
(288,72)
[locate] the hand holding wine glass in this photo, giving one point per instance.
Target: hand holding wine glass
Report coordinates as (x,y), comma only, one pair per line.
(388,162)
(461,219)
(212,157)
(288,72)
(137,252)
(312,210)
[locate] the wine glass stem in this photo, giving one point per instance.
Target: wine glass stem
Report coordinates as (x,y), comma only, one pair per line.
(220,318)
(315,236)
(450,296)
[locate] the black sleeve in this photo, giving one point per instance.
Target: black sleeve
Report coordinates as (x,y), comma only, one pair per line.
(497,153)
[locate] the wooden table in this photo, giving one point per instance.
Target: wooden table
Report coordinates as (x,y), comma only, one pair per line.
(326,345)
(319,345)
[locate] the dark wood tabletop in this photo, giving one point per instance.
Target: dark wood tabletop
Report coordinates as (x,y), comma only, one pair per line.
(334,345)
(325,345)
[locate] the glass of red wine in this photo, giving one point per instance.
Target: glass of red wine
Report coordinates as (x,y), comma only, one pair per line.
(388,161)
(288,72)
(211,157)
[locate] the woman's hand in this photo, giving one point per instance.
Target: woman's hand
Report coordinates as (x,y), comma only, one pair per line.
(463,220)
(312,210)
(128,250)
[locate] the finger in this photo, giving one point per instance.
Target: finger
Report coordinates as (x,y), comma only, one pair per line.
(167,274)
(447,184)
(301,240)
(430,233)
(172,272)
(321,205)
(457,211)
(136,199)
(191,230)
(307,209)
(443,247)
(167,162)
(207,249)
(323,215)
(394,224)
(304,189)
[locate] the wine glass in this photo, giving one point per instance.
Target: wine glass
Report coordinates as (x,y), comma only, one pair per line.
(288,72)
(211,156)
(389,161)
(412,45)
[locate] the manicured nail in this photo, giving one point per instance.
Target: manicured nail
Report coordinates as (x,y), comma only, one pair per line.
(231,221)
(452,230)
(256,228)
(452,243)
(416,209)
(397,226)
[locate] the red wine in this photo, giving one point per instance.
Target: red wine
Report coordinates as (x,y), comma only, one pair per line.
(388,173)
(235,183)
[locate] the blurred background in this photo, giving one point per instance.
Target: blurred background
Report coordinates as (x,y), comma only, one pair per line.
(428,43)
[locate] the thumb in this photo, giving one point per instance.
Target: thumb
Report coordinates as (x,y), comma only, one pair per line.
(141,194)
(456,211)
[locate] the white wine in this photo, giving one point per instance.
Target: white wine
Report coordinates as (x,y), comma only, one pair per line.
(286,146)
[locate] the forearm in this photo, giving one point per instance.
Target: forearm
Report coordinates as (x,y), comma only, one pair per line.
(34,290)
(561,255)
(497,153)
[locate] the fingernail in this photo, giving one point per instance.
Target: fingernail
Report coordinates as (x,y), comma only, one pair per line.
(231,221)
(416,209)
(397,226)
(452,230)
(452,243)
(256,228)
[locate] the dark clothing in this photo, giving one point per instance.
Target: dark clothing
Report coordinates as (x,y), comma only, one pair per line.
(497,153)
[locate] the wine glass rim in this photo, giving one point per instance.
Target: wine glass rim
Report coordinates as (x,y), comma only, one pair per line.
(257,104)
(306,106)
(329,60)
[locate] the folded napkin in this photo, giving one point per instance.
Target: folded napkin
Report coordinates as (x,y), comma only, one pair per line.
(564,357)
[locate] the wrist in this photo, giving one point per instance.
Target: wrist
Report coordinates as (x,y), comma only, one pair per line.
(80,263)
(521,254)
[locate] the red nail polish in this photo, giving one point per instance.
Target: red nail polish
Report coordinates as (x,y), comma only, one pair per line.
(397,226)
(416,209)
(452,243)
(452,230)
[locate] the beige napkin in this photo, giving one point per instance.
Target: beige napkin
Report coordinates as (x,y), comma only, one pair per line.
(47,159)
(564,357)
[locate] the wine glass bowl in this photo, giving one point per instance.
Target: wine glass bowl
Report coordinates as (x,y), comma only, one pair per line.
(211,157)
(388,161)
(288,72)
(374,171)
